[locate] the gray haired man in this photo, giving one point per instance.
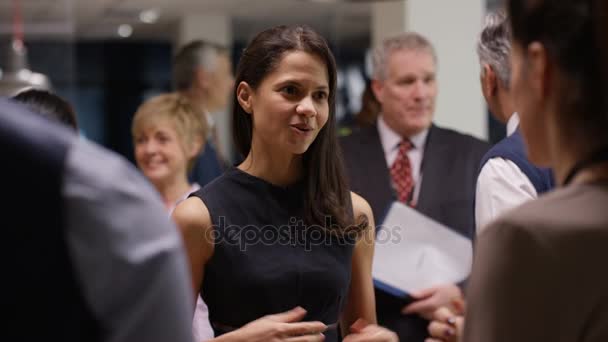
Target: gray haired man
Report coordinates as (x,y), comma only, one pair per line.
(507,178)
(406,157)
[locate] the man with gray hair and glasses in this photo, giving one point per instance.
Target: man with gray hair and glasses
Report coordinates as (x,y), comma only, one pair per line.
(202,71)
(507,178)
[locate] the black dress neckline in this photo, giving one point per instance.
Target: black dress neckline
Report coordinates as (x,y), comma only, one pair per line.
(297,185)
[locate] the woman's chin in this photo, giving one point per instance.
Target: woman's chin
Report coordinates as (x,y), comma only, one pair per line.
(156,176)
(299,150)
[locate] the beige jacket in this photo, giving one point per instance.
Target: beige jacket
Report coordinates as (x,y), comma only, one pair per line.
(540,272)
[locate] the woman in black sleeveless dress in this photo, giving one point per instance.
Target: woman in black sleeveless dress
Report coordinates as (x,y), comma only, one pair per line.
(281,230)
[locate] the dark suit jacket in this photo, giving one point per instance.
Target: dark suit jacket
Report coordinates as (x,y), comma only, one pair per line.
(207,166)
(449,176)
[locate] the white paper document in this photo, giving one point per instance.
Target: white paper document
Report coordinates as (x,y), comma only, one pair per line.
(414,252)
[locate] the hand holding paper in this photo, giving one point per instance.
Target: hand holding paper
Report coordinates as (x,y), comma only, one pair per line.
(426,302)
(415,253)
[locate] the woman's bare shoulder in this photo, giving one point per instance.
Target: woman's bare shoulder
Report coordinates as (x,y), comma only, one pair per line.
(361,206)
(192,215)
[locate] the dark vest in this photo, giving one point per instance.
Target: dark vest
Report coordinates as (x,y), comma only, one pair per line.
(42,297)
(512,148)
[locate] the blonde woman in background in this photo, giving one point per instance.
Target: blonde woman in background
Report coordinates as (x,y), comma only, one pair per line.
(168,134)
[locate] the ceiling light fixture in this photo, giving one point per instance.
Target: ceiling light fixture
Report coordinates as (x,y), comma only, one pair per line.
(16,75)
(125,30)
(149,16)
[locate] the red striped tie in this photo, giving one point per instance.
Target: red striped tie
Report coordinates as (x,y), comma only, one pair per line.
(401,172)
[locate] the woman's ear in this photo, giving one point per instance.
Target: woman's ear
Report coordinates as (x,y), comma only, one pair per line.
(197,146)
(244,94)
(539,69)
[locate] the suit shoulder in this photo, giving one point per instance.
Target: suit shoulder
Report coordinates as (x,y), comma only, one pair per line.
(352,142)
(348,140)
(356,135)
(461,137)
(462,141)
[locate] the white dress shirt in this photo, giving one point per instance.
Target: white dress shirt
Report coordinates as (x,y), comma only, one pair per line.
(390,144)
(501,185)
(128,257)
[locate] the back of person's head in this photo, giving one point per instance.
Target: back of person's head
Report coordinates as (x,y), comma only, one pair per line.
(188,122)
(194,55)
(48,105)
(494,46)
(574,35)
(408,41)
(35,152)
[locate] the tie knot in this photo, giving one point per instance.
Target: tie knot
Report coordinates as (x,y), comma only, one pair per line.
(405,145)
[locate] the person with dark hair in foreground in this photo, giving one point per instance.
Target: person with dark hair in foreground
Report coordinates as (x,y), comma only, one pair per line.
(96,259)
(537,269)
(48,105)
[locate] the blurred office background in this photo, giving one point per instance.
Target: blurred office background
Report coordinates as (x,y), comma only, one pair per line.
(107,56)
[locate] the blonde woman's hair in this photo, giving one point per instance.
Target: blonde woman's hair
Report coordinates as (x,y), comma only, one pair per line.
(189,122)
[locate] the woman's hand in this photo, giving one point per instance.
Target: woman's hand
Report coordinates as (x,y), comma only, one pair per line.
(448,323)
(361,331)
(283,327)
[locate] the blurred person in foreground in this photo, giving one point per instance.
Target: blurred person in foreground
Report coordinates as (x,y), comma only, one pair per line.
(532,259)
(96,260)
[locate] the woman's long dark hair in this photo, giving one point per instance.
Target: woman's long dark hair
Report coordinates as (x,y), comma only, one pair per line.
(575,35)
(327,194)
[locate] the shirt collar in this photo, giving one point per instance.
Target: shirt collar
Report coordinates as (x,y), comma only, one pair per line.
(210,120)
(512,124)
(390,139)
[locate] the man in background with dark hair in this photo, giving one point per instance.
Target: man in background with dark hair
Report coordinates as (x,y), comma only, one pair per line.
(203,73)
